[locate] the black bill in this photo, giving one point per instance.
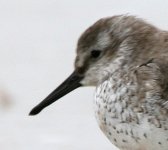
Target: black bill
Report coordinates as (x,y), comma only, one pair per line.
(71,83)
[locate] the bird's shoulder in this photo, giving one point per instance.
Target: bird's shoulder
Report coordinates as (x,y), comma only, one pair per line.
(152,79)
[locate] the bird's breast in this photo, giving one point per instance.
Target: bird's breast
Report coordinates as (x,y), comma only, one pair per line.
(124,121)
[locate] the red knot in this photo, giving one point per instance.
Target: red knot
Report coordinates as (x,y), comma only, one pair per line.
(126,59)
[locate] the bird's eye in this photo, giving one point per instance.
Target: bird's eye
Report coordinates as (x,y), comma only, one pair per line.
(95,53)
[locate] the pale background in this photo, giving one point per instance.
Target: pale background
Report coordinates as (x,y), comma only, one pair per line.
(37,49)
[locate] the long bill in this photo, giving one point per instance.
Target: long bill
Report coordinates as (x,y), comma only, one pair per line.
(70,84)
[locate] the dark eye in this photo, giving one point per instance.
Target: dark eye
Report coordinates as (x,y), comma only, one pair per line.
(95,53)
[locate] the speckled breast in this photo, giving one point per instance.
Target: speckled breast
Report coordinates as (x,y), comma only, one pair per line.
(122,117)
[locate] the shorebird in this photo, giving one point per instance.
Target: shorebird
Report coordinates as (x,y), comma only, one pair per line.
(126,59)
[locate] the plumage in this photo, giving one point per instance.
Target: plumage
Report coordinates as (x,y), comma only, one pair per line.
(131,79)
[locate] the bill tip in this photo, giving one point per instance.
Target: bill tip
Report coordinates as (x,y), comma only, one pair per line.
(34,112)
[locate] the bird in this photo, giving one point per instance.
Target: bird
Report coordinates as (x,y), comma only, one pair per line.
(126,59)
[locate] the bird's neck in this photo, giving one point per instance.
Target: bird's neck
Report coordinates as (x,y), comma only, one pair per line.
(141,47)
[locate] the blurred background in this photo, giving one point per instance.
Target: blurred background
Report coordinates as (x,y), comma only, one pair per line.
(37,49)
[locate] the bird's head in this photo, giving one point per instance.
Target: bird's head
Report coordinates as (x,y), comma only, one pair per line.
(97,57)
(96,49)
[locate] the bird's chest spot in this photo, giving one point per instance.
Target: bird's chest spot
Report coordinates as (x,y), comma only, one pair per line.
(123,121)
(116,100)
